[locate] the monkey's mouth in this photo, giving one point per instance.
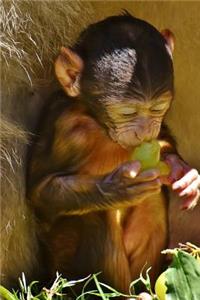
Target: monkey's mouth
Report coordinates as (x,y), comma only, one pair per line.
(126,139)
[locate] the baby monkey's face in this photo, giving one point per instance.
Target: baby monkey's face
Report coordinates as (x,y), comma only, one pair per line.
(130,122)
(130,91)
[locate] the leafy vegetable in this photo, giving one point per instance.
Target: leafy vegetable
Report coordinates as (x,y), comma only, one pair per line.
(183,277)
(181,281)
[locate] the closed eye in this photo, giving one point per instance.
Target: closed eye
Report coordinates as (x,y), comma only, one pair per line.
(160,107)
(128,112)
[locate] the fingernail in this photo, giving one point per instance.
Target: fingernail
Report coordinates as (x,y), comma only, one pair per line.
(136,168)
(133,174)
(175,186)
(183,193)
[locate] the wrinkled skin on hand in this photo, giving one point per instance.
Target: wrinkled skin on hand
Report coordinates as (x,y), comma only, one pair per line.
(129,183)
(185,181)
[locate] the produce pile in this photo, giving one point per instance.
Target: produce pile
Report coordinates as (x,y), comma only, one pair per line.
(181,281)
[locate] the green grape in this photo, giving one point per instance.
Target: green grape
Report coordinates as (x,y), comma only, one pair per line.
(148,153)
(164,168)
(160,287)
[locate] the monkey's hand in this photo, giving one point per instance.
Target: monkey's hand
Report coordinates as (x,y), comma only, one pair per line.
(128,183)
(185,181)
(59,194)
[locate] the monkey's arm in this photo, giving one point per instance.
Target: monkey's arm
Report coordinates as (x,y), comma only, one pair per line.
(56,184)
(59,194)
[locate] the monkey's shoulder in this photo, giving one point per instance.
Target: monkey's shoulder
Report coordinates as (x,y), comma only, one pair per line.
(64,139)
(65,130)
(75,133)
(61,116)
(53,108)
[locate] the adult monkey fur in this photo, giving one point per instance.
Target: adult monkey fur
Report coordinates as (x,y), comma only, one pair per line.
(26,79)
(87,202)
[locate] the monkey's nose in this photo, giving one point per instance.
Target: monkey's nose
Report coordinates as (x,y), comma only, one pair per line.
(143,133)
(139,135)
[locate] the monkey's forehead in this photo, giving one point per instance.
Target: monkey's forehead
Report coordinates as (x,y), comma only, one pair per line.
(131,69)
(117,66)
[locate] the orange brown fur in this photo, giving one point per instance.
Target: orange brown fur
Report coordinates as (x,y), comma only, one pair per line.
(128,239)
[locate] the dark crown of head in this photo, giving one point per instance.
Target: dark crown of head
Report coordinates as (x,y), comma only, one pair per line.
(116,32)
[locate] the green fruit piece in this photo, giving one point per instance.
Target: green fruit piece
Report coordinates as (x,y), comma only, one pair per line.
(160,287)
(148,153)
(164,168)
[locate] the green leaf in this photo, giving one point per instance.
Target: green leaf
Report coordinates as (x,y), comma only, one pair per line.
(5,294)
(183,277)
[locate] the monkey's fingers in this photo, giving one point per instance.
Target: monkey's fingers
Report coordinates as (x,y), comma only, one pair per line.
(190,189)
(131,169)
(144,176)
(124,171)
(140,196)
(191,201)
(186,180)
(176,173)
(178,169)
(142,188)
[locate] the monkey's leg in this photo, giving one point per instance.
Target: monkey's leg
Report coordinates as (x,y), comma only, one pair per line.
(145,236)
(82,245)
(62,243)
(116,265)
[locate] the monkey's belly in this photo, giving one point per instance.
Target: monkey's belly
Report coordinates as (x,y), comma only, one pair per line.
(140,232)
(116,243)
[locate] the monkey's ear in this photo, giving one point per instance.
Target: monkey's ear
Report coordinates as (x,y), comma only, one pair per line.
(68,67)
(170,38)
